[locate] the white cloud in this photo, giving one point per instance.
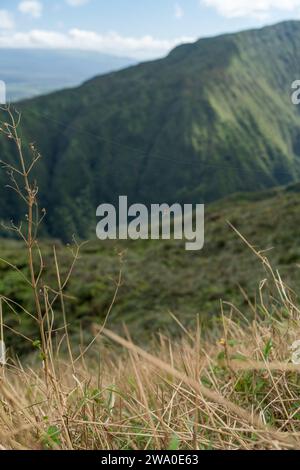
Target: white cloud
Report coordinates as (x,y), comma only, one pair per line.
(6,20)
(77,3)
(33,8)
(254,8)
(145,47)
(179,13)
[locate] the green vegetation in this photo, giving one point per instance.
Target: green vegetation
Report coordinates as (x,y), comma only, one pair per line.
(160,277)
(211,119)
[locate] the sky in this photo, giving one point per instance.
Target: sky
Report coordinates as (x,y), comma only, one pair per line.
(140,29)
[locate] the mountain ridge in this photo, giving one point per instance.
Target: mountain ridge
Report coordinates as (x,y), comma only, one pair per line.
(211,119)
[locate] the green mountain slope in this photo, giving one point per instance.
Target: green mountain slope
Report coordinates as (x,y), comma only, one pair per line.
(211,119)
(159,277)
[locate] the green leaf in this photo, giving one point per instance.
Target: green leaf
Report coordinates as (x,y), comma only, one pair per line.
(268,348)
(174,444)
(52,436)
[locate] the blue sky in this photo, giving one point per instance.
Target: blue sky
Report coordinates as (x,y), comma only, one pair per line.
(136,28)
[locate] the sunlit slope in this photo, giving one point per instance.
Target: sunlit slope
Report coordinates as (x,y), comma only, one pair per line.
(212,118)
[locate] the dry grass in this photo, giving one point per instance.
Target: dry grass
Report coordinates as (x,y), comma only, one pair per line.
(236,393)
(232,389)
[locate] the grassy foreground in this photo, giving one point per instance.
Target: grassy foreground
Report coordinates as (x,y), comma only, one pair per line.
(235,389)
(233,386)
